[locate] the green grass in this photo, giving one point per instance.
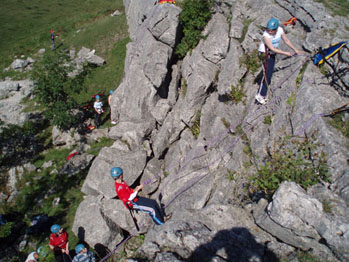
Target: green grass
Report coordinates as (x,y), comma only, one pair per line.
(251,61)
(267,120)
(294,160)
(237,94)
(337,7)
(25,25)
(97,146)
(246,24)
(58,156)
(107,77)
(24,30)
(195,129)
(306,257)
(338,121)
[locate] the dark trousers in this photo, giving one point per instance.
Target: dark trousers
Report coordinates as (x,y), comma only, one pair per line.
(150,206)
(62,257)
(98,119)
(268,73)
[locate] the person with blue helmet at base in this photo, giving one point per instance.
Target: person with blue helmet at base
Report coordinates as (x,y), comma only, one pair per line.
(98,106)
(59,243)
(83,255)
(132,201)
(269,47)
(109,103)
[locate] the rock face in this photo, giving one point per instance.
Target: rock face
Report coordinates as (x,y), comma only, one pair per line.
(181,126)
(11,94)
(298,219)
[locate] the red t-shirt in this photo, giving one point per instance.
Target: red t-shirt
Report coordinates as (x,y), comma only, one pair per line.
(124,191)
(59,241)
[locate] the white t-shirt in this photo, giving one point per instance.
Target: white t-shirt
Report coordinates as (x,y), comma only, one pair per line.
(31,257)
(98,106)
(275,39)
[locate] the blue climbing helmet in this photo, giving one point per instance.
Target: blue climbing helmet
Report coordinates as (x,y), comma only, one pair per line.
(116,172)
(273,24)
(111,92)
(79,248)
(55,228)
(98,97)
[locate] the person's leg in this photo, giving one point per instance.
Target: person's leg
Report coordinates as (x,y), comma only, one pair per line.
(267,75)
(59,257)
(66,258)
(98,119)
(150,206)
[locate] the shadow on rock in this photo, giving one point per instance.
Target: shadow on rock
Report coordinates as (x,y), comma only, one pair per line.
(234,245)
(101,250)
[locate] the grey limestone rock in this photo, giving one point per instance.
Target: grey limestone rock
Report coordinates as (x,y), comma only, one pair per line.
(298,219)
(231,71)
(137,13)
(115,211)
(99,179)
(92,226)
(76,164)
(152,175)
(160,111)
(132,134)
(316,97)
(65,138)
(215,47)
(19,64)
(163,25)
(167,257)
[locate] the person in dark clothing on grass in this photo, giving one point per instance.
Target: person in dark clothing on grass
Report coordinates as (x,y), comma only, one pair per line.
(59,243)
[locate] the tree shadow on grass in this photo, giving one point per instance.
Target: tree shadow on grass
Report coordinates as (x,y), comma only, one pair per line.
(234,245)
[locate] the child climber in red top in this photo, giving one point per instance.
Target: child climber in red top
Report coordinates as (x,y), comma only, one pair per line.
(130,199)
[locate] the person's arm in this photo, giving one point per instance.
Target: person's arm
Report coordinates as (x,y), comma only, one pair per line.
(134,194)
(67,248)
(93,259)
(290,45)
(269,44)
(109,99)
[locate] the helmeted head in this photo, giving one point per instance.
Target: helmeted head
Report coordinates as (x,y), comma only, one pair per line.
(97,97)
(79,248)
(273,24)
(55,228)
(111,92)
(51,31)
(116,172)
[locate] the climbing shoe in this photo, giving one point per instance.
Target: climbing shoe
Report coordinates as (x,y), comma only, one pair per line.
(260,99)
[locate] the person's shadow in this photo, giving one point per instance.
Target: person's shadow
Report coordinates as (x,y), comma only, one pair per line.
(234,245)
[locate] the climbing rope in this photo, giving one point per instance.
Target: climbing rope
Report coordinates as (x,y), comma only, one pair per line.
(222,135)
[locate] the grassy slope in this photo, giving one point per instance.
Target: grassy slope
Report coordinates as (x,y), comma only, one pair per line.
(24,30)
(25,25)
